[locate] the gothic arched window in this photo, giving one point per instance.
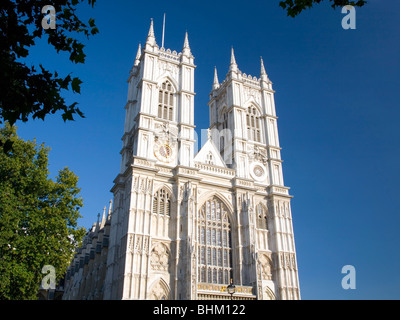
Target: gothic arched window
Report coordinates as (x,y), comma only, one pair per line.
(166,101)
(214,243)
(261,213)
(253,124)
(162,202)
(224,126)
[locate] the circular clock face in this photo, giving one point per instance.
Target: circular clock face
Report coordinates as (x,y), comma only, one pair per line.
(163,152)
(258,171)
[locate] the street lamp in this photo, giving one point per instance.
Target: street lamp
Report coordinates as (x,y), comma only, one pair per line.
(231,289)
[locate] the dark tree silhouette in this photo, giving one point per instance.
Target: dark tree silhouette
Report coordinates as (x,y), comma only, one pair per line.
(27,91)
(294,7)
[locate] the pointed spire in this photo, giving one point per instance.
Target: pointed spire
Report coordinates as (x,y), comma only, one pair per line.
(186,43)
(233,60)
(216,82)
(138,54)
(103,219)
(151,30)
(233,65)
(263,75)
(262,68)
(97,223)
(186,47)
(109,211)
(151,40)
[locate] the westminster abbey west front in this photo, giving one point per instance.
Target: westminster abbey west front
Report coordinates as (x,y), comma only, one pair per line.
(185,225)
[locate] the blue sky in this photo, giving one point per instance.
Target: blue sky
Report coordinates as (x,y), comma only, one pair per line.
(336,99)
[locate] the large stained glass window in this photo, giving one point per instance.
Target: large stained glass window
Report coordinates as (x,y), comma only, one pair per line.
(214,243)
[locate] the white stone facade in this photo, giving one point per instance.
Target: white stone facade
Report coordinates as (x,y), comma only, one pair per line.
(184,225)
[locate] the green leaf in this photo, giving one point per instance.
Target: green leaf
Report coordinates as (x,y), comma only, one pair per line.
(64,83)
(94,31)
(76,85)
(91,22)
(67,115)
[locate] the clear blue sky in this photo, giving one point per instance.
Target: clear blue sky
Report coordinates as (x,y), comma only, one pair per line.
(337,103)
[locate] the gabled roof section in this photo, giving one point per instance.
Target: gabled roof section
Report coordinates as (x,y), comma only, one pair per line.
(209,154)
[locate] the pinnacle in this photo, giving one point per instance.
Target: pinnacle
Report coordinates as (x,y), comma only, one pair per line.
(216,82)
(233,60)
(103,219)
(150,37)
(186,43)
(138,54)
(151,30)
(109,211)
(186,48)
(262,67)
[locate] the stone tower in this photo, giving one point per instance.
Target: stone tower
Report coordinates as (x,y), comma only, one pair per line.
(149,231)
(243,124)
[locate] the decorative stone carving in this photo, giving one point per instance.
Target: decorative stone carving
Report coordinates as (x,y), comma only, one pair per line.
(266,267)
(138,243)
(168,67)
(258,154)
(130,243)
(146,245)
(269,294)
(159,292)
(159,257)
(252,93)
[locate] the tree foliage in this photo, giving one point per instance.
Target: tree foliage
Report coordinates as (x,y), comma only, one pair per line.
(26,90)
(294,7)
(38,217)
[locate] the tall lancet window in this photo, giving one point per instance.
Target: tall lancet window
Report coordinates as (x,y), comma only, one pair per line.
(166,101)
(223,133)
(261,213)
(214,243)
(162,202)
(253,124)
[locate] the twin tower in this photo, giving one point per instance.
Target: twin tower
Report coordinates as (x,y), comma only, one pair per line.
(186,225)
